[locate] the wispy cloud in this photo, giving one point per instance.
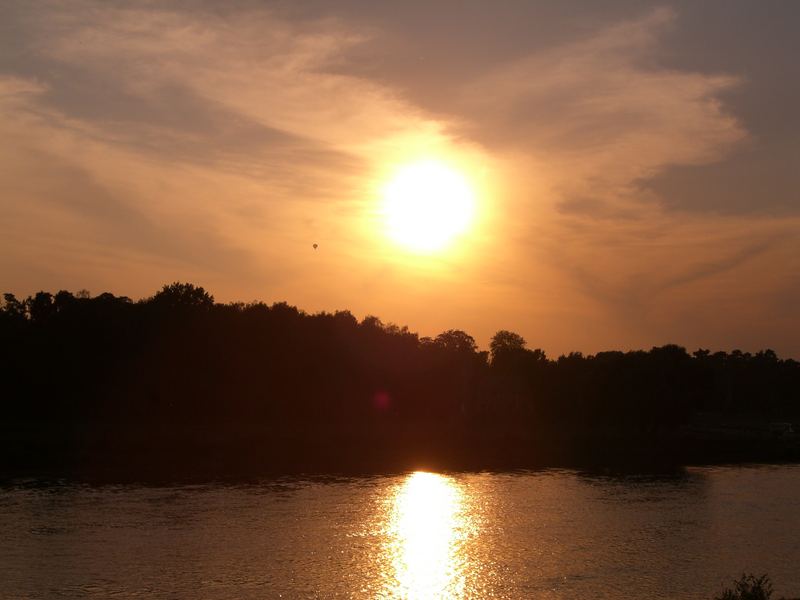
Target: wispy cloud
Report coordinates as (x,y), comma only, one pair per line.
(599,116)
(148,142)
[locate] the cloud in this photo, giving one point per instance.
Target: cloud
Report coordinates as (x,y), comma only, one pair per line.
(150,142)
(598,116)
(72,207)
(595,120)
(122,146)
(759,180)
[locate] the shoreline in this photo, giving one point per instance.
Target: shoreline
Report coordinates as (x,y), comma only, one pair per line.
(194,454)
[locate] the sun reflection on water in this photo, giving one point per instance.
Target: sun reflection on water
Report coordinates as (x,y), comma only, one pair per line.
(427,529)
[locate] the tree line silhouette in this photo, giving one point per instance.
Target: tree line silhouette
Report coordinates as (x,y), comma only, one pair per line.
(175,373)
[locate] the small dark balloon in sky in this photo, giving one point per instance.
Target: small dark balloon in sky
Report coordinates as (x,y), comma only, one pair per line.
(315,246)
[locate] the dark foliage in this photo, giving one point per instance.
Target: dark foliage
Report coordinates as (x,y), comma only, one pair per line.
(748,587)
(178,371)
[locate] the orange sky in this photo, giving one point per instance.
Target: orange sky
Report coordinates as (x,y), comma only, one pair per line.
(634,167)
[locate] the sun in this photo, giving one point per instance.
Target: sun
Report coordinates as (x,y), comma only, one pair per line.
(426,205)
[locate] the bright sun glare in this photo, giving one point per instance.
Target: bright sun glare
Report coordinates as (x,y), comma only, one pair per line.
(427,204)
(427,530)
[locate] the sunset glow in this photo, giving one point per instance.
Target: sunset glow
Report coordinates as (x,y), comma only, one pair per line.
(263,260)
(595,182)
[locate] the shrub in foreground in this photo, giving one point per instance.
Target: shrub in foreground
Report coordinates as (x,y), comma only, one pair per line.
(748,587)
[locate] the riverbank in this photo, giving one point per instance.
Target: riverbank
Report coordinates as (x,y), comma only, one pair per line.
(240,451)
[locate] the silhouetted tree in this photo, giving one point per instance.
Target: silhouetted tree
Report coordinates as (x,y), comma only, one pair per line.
(178,362)
(40,306)
(455,340)
(504,342)
(13,308)
(183,295)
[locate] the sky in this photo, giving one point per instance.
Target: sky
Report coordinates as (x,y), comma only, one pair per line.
(635,165)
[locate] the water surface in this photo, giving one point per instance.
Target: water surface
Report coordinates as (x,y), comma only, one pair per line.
(549,534)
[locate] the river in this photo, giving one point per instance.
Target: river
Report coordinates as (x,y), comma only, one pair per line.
(547,534)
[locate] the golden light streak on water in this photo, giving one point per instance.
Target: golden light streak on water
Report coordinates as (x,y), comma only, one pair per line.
(427,529)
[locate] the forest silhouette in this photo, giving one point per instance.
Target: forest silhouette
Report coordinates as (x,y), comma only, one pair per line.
(177,382)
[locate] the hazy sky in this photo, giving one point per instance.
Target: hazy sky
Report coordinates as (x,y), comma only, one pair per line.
(637,164)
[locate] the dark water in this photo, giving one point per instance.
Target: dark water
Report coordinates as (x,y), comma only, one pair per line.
(551,534)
